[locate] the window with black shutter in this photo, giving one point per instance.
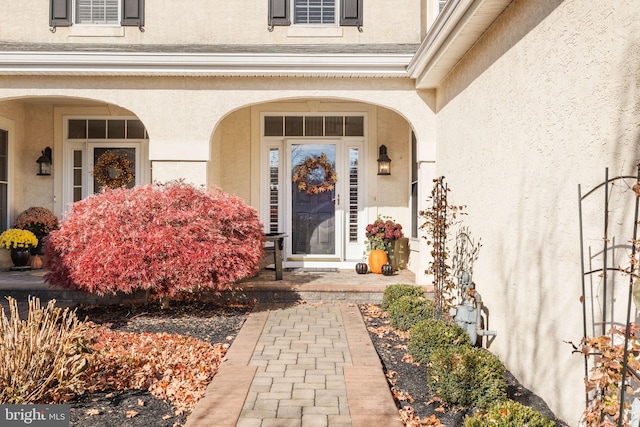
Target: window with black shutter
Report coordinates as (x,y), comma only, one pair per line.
(64,13)
(312,12)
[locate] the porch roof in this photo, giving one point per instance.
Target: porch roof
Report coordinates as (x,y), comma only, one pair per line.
(352,61)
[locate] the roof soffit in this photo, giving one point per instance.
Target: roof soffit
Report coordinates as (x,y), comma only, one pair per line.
(458,27)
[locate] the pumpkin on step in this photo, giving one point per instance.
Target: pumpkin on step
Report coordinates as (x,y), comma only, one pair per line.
(377,258)
(36,262)
(362,268)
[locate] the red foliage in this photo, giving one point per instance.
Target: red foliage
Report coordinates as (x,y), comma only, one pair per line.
(166,238)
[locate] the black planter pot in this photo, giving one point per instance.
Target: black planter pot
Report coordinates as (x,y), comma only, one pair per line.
(20,257)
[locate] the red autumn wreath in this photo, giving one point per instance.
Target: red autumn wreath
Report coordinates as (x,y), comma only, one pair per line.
(307,167)
(108,162)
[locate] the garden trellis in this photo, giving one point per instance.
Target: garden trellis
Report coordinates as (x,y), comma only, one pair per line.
(617,214)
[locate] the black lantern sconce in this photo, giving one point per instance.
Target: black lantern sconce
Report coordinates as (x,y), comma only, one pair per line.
(384,162)
(44,162)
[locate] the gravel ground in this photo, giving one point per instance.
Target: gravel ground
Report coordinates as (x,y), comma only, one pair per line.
(216,324)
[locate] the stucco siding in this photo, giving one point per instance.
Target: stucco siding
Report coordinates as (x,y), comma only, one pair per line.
(215,22)
(546,100)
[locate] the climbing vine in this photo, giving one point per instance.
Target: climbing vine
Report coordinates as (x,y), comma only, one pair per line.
(437,221)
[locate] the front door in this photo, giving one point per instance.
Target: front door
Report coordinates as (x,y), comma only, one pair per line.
(314,201)
(119,164)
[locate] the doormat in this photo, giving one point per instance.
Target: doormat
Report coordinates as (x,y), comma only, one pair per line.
(319,270)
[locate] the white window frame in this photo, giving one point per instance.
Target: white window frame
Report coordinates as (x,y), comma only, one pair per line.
(9,126)
(336,17)
(348,251)
(107,24)
(142,166)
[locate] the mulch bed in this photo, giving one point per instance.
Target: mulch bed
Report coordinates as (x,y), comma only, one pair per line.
(221,324)
(409,379)
(205,321)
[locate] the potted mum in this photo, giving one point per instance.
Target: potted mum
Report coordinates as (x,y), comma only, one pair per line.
(40,221)
(381,236)
(19,243)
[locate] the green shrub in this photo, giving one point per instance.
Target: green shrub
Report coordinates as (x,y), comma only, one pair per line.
(408,310)
(466,376)
(393,292)
(42,357)
(507,414)
(430,334)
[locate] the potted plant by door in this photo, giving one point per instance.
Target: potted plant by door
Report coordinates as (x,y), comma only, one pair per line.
(40,221)
(19,243)
(381,236)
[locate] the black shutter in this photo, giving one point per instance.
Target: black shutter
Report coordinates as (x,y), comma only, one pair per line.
(59,13)
(351,13)
(132,13)
(279,12)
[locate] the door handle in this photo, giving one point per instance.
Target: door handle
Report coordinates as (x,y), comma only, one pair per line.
(337,199)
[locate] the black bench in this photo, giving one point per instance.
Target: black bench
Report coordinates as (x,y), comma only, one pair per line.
(273,248)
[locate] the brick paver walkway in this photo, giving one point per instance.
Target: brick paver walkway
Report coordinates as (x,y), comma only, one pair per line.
(304,366)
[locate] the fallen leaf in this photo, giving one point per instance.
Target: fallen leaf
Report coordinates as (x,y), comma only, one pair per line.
(131,414)
(140,402)
(166,417)
(92,411)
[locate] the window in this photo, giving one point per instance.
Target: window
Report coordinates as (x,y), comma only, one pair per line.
(414,186)
(4,179)
(64,13)
(314,126)
(106,129)
(97,12)
(313,12)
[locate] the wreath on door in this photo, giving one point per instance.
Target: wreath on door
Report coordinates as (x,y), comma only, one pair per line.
(303,173)
(113,170)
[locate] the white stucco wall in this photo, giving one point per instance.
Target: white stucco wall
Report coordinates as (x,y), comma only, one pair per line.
(215,22)
(545,101)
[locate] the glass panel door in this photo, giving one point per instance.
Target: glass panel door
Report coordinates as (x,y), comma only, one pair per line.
(118,166)
(313,199)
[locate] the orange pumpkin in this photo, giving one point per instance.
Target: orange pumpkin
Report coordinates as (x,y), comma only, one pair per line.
(377,258)
(36,262)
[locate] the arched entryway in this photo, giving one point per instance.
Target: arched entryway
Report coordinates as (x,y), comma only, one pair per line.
(310,168)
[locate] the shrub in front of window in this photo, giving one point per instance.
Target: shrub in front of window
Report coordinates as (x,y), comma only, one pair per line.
(466,376)
(164,238)
(408,310)
(507,414)
(393,292)
(427,335)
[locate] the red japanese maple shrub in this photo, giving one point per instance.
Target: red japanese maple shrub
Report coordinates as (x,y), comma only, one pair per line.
(165,238)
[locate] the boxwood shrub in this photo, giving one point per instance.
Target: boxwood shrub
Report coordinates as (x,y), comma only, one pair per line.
(408,310)
(430,334)
(467,376)
(507,414)
(393,292)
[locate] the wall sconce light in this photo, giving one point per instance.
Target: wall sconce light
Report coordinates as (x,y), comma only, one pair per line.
(44,162)
(384,162)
